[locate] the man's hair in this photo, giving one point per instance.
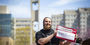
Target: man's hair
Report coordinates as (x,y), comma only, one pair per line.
(86,42)
(45,18)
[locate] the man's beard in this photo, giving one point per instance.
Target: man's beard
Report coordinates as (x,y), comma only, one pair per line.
(47,27)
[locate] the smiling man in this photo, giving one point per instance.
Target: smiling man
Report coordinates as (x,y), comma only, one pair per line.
(46,36)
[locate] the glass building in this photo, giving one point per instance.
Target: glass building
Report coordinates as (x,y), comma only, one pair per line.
(5,25)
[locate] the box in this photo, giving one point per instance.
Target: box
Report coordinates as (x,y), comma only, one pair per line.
(66,33)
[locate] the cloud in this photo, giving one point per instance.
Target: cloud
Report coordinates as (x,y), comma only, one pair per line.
(21,10)
(18,8)
(63,2)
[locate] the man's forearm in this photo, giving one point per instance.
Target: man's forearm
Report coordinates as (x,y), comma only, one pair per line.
(46,39)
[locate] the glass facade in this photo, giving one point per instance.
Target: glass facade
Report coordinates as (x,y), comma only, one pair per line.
(5,25)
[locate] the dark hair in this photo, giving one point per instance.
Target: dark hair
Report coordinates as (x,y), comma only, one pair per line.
(86,42)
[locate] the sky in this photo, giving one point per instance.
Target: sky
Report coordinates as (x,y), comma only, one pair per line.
(18,8)
(21,8)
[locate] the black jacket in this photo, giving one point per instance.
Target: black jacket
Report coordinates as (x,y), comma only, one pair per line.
(44,33)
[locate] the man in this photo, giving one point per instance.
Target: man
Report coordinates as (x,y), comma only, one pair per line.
(46,36)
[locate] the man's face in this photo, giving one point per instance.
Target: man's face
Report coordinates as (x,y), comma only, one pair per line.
(47,23)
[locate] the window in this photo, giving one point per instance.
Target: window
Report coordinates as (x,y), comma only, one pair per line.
(72,19)
(83,21)
(22,21)
(7,43)
(74,15)
(83,17)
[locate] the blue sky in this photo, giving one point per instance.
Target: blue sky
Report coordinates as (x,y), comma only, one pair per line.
(18,8)
(50,7)
(21,8)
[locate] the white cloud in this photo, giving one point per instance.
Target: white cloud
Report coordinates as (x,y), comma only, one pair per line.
(63,2)
(20,10)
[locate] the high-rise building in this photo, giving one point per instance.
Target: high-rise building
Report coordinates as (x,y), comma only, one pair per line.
(5,26)
(77,19)
(72,19)
(22,27)
(57,20)
(84,22)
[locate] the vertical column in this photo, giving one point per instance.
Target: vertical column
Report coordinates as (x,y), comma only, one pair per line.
(35,4)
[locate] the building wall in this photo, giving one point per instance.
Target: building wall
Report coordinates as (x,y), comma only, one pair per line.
(4,9)
(77,19)
(22,27)
(70,17)
(84,22)
(6,41)
(21,22)
(56,19)
(5,26)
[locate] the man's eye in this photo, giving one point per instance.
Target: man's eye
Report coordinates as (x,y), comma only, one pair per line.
(46,21)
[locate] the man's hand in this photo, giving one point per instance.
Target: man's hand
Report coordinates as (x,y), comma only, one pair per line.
(65,42)
(40,41)
(55,32)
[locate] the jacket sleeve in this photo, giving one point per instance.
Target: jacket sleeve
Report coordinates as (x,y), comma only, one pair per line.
(38,35)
